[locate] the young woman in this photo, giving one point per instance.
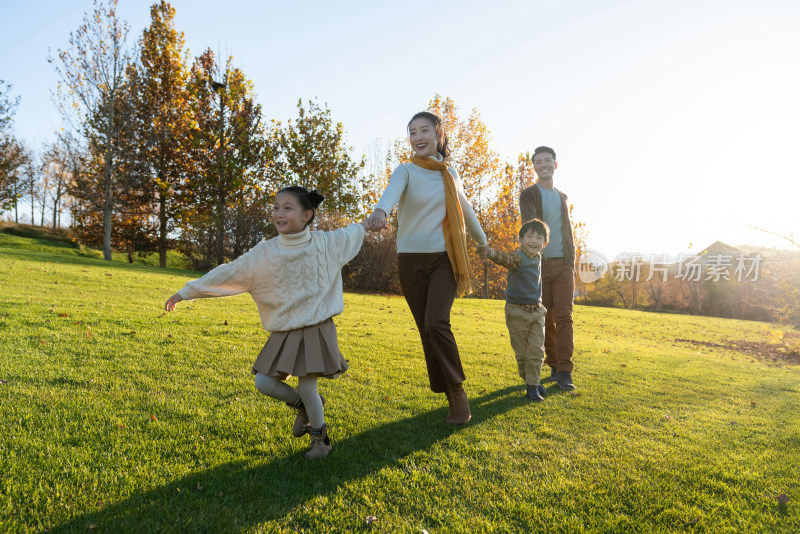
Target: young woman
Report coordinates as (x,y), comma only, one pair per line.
(433,263)
(295,280)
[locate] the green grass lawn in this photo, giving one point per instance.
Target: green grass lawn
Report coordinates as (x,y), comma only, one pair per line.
(117,417)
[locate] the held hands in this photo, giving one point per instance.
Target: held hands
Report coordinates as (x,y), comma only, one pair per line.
(376,221)
(483,252)
(172,301)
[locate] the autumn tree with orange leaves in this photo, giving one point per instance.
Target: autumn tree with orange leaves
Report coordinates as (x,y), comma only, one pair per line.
(163,120)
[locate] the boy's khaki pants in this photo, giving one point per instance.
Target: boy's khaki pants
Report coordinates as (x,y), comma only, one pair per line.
(525,324)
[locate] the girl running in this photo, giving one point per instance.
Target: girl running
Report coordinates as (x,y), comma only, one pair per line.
(295,280)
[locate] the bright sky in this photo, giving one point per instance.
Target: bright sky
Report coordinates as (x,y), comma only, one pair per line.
(675,123)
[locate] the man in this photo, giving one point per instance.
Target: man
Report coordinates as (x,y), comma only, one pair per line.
(543,201)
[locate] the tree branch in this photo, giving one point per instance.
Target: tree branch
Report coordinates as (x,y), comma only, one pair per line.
(787,238)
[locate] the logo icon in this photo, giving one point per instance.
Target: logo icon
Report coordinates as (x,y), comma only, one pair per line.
(592,266)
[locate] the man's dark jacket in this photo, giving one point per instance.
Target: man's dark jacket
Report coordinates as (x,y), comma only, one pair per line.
(530,207)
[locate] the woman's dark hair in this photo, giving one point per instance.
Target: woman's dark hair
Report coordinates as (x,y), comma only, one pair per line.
(442,144)
(309,200)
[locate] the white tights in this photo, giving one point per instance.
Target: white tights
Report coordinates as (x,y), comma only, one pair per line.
(306,391)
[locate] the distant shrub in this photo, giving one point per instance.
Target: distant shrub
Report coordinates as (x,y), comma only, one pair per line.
(58,235)
(374,269)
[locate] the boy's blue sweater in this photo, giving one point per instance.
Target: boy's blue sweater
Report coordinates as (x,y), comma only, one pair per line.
(525,284)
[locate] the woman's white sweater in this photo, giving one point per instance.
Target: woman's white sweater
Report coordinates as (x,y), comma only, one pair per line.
(294,279)
(419,196)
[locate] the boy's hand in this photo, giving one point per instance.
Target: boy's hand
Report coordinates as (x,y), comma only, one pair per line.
(483,252)
(172,301)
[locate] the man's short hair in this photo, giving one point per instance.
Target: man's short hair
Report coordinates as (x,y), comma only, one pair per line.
(538,226)
(545,149)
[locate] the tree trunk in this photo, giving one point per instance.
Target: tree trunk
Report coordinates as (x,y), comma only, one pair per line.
(33,198)
(107,212)
(485,281)
(108,201)
(55,206)
(16,202)
(221,194)
(162,229)
(221,229)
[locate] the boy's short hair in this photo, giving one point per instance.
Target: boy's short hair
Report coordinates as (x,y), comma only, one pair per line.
(538,226)
(546,150)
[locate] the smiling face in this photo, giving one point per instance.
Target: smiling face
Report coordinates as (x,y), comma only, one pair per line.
(545,165)
(532,242)
(423,137)
(288,215)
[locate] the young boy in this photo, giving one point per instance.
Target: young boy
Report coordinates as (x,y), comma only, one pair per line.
(524,310)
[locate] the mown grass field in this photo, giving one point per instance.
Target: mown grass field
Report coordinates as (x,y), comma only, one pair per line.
(117,417)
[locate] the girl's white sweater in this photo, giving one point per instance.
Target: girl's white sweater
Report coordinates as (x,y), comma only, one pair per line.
(419,196)
(294,279)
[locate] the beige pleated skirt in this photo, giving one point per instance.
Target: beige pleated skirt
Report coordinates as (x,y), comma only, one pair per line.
(311,350)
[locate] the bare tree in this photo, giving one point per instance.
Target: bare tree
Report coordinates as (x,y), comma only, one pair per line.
(40,192)
(789,238)
(92,82)
(59,165)
(21,178)
(31,175)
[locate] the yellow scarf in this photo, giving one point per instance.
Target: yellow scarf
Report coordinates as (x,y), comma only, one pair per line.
(455,235)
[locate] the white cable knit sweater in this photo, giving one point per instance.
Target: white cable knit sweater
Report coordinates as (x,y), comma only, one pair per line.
(419,196)
(294,279)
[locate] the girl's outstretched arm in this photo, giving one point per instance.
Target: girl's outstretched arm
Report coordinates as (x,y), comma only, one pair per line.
(172,301)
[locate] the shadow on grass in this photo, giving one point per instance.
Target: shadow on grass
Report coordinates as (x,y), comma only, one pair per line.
(241,495)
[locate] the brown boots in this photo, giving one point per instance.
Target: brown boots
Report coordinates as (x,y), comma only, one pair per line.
(459,413)
(450,407)
(301,424)
(320,443)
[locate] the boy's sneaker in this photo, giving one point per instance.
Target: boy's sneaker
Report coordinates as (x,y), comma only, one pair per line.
(541,390)
(553,375)
(533,393)
(564,381)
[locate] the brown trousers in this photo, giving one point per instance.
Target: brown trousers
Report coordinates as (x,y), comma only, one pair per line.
(429,286)
(558,288)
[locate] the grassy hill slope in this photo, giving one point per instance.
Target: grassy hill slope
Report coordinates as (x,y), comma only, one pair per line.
(117,417)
